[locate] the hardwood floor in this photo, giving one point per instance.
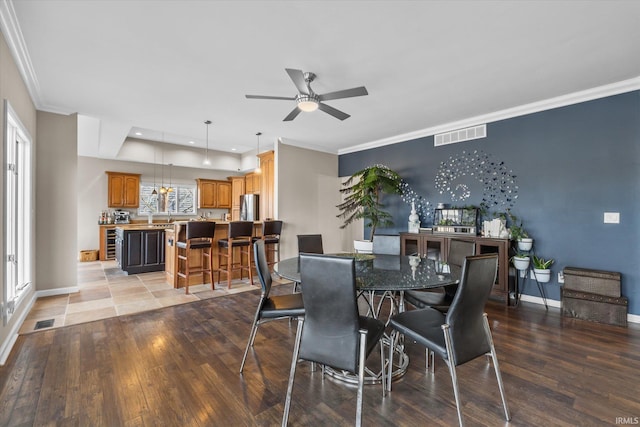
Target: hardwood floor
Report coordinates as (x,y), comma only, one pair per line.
(178,366)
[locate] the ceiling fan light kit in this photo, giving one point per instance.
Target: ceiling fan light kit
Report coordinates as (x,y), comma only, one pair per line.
(308,101)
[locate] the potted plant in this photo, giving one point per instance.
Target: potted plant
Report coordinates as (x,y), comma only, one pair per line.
(519,234)
(541,269)
(363,192)
(521,260)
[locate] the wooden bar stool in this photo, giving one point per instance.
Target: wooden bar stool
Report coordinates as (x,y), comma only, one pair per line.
(240,236)
(198,235)
(271,231)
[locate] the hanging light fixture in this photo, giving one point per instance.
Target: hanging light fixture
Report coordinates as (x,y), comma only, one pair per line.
(170,189)
(206,150)
(154,192)
(163,189)
(258,170)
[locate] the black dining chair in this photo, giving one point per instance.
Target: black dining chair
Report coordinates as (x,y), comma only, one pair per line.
(270,307)
(441,299)
(463,333)
(310,244)
(331,332)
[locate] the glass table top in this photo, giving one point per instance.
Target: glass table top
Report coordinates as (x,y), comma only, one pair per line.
(384,272)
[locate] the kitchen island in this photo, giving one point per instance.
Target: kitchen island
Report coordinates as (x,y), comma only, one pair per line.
(140,248)
(177,233)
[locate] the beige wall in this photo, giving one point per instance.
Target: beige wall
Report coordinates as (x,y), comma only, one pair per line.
(308,192)
(56,197)
(13,89)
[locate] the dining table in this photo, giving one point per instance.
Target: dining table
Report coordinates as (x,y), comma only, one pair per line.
(383,278)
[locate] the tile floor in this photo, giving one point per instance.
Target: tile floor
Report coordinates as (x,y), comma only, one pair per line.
(105,291)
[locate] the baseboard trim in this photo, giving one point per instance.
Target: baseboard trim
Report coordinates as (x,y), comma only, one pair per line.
(12,337)
(57,291)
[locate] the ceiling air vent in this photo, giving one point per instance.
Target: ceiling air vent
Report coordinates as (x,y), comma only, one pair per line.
(460,135)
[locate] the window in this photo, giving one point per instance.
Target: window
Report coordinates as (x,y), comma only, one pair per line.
(18,226)
(180,201)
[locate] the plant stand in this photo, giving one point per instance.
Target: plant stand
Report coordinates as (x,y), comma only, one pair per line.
(529,274)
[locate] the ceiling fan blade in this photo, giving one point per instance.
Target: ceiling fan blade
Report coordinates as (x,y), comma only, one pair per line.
(292,115)
(335,113)
(298,79)
(287,98)
(347,93)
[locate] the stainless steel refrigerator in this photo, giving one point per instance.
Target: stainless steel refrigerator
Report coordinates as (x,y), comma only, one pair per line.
(249,207)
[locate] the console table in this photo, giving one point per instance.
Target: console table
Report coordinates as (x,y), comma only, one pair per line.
(427,243)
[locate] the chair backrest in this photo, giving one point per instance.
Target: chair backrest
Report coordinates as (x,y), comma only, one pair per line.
(240,229)
(262,267)
(465,314)
(310,244)
(271,228)
(330,333)
(200,230)
(459,250)
(386,244)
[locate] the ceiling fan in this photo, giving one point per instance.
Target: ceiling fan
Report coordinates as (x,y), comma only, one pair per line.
(307,100)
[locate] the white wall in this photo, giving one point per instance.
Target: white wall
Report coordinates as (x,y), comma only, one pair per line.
(308,192)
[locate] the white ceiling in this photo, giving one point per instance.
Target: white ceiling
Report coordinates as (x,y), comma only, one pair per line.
(163,67)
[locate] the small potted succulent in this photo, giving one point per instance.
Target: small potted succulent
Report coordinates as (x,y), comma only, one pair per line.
(541,269)
(521,260)
(518,233)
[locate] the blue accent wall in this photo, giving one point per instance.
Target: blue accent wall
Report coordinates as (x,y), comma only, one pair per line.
(571,164)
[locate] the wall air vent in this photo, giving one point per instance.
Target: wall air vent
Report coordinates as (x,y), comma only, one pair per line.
(455,136)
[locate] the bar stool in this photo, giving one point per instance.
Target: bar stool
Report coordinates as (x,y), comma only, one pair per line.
(199,235)
(271,231)
(240,236)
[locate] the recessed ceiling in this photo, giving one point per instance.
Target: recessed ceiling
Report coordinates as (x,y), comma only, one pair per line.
(162,68)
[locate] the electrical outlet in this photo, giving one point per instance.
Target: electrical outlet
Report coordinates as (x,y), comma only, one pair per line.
(612,217)
(560,277)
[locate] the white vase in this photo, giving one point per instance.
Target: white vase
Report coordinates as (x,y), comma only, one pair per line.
(525,243)
(413,217)
(521,263)
(363,246)
(542,275)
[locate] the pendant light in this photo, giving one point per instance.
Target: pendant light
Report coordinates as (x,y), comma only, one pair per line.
(163,189)
(258,170)
(154,192)
(206,150)
(170,189)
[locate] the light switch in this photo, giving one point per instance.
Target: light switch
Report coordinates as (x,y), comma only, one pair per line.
(612,217)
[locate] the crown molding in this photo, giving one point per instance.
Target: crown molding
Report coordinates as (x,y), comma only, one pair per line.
(534,107)
(13,36)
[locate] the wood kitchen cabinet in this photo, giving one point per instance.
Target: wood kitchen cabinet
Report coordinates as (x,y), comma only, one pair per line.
(435,245)
(237,189)
(267,166)
(252,183)
(214,194)
(123,190)
(140,251)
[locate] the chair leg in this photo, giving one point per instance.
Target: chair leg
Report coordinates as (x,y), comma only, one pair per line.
(294,363)
(382,372)
(496,367)
(249,263)
(252,335)
(363,347)
(229,263)
(392,344)
(452,370)
(213,286)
